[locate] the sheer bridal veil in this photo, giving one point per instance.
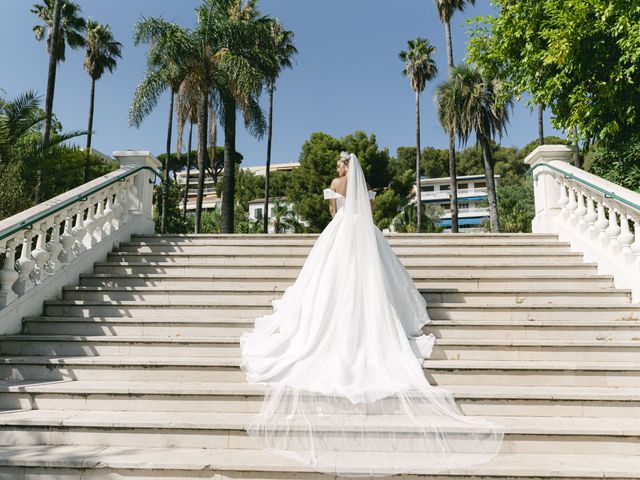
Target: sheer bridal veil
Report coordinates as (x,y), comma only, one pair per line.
(341,358)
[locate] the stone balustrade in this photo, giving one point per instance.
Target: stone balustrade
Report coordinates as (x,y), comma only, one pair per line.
(598,217)
(47,247)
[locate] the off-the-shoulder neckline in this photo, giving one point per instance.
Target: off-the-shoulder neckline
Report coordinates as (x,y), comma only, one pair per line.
(336,192)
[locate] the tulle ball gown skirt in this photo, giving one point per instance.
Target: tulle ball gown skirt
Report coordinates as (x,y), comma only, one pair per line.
(341,358)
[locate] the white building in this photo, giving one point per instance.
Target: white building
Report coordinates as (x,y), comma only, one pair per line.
(211,200)
(472,194)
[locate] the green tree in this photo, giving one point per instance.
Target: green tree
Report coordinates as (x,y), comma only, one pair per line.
(317,169)
(62,26)
(446,9)
(579,58)
(420,67)
(283,52)
(168,49)
(102,54)
(516,206)
(469,102)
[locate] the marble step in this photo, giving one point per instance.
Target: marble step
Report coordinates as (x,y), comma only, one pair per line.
(437,266)
(310,238)
(437,311)
(444,248)
(435,280)
(140,463)
(226,369)
(582,329)
(541,435)
(453,258)
(235,397)
(483,348)
(506,295)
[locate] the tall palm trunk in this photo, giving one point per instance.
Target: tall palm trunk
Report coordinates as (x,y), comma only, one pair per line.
(453,177)
(213,140)
(265,209)
(576,153)
(165,173)
(87,155)
(540,125)
(491,184)
(186,187)
(51,85)
(202,155)
(418,187)
(228,187)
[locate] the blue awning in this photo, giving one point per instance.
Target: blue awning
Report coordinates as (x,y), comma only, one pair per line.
(446,222)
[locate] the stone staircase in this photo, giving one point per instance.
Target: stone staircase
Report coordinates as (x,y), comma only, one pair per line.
(134,373)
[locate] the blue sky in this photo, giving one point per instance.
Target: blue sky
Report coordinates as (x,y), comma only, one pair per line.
(347,76)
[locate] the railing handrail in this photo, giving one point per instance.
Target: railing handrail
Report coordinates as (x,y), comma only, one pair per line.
(29,221)
(571,176)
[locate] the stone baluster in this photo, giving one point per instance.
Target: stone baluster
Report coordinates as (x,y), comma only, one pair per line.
(79,231)
(8,275)
(99,220)
(54,247)
(125,201)
(563,200)
(602,223)
(625,239)
(40,255)
(613,229)
(108,213)
(90,224)
(635,246)
(67,239)
(581,211)
(25,265)
(572,205)
(118,209)
(590,218)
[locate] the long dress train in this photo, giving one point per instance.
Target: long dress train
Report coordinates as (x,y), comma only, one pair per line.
(341,356)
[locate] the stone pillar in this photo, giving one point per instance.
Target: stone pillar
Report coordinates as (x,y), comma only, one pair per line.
(141,193)
(546,190)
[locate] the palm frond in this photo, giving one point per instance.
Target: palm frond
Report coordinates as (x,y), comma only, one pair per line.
(146,97)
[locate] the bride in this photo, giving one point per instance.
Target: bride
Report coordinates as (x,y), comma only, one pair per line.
(341,356)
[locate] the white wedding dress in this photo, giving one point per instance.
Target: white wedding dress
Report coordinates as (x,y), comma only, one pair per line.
(341,356)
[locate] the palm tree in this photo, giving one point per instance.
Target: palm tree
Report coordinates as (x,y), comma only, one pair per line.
(541,124)
(446,9)
(62,25)
(236,44)
(168,45)
(468,102)
(284,50)
(283,218)
(102,52)
(420,68)
(186,111)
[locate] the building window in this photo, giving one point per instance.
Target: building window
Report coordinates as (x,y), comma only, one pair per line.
(428,188)
(463,206)
(481,185)
(445,187)
(258,213)
(463,186)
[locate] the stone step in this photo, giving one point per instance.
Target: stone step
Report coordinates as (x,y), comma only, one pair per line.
(457,258)
(542,435)
(507,295)
(587,330)
(583,329)
(141,463)
(223,369)
(435,280)
(290,239)
(444,248)
(498,269)
(186,347)
(231,310)
(154,396)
